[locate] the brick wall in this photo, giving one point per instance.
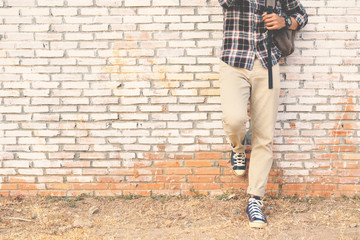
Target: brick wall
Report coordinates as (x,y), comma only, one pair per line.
(110,97)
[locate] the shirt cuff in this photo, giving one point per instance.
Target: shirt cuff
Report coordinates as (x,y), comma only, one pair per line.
(301,20)
(226,3)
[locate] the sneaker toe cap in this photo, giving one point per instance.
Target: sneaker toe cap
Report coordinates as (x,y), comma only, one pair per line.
(239,172)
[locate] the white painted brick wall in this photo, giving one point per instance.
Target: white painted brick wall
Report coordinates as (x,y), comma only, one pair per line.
(128,90)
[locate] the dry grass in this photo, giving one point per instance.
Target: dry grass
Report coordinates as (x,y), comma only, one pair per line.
(166,217)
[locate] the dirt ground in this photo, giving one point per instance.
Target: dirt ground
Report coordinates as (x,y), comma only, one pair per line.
(166,217)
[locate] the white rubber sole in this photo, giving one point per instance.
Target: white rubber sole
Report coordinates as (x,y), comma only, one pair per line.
(257,224)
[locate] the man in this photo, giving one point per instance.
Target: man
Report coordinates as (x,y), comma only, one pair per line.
(244,75)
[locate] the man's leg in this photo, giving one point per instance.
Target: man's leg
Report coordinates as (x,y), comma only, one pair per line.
(234,95)
(264,107)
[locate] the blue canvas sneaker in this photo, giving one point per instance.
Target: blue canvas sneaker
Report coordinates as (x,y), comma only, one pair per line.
(238,163)
(253,210)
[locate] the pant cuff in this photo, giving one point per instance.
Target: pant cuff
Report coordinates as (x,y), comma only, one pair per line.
(256,192)
(239,150)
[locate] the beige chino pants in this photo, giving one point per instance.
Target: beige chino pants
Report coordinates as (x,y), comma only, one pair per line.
(237,85)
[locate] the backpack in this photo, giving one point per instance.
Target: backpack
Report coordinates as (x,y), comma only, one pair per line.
(284,38)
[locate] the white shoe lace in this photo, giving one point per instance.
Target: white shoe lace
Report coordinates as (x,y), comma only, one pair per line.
(255,208)
(239,159)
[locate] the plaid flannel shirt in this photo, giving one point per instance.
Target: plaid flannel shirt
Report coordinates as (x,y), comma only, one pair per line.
(244,32)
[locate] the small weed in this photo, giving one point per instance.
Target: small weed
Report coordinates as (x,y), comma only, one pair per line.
(227,195)
(193,190)
(162,197)
(344,197)
(224,196)
(296,198)
(72,200)
(315,200)
(129,196)
(78,198)
(356,197)
(52,199)
(197,194)
(111,198)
